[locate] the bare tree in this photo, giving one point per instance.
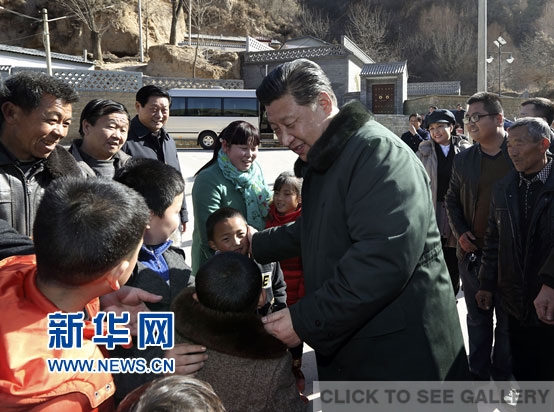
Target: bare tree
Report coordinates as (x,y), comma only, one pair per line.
(368,26)
(202,12)
(284,9)
(314,22)
(229,4)
(535,66)
(449,39)
(177,7)
(89,12)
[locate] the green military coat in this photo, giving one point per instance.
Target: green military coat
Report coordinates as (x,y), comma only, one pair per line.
(379,302)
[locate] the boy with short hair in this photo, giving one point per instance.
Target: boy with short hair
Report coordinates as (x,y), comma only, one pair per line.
(248,368)
(87,235)
(226,229)
(161,267)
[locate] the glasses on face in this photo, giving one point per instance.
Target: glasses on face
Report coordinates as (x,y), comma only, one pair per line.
(474,118)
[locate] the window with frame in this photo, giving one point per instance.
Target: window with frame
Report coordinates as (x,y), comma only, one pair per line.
(203,106)
(240,107)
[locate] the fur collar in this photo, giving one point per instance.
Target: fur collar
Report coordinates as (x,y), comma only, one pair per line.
(426,147)
(237,334)
(61,163)
(58,164)
(345,124)
(458,143)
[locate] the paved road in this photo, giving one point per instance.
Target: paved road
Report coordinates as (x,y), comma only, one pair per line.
(273,162)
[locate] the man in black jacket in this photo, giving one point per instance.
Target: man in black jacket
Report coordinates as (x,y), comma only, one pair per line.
(519,237)
(474,172)
(415,135)
(459,115)
(35,114)
(147,137)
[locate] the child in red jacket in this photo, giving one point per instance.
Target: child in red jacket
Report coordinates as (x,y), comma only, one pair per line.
(286,208)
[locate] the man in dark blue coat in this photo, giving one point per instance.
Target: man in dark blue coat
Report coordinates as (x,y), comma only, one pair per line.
(147,137)
(415,135)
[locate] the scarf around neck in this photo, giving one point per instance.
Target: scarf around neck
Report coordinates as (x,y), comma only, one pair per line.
(277,219)
(251,185)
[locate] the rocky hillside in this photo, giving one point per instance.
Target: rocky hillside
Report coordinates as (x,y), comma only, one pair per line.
(119,28)
(436,37)
(273,18)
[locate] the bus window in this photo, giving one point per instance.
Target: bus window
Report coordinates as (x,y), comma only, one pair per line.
(240,107)
(204,106)
(177,107)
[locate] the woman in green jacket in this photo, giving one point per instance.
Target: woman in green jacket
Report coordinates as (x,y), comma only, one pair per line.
(231,178)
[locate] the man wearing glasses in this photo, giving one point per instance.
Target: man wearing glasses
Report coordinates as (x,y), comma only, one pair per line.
(474,172)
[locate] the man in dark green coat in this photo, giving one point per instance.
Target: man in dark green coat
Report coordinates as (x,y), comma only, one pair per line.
(378,302)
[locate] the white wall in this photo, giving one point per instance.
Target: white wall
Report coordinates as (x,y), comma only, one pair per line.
(16,60)
(354,77)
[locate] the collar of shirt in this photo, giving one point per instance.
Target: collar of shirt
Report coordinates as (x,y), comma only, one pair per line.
(541,176)
(156,251)
(142,131)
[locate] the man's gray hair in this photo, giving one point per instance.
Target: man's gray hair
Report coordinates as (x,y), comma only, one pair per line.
(302,79)
(536,127)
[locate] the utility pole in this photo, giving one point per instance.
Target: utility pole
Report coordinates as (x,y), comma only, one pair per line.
(46,41)
(190,22)
(482,47)
(140,31)
(45,32)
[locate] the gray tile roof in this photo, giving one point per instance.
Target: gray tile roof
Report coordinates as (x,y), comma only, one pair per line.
(305,38)
(34,52)
(383,69)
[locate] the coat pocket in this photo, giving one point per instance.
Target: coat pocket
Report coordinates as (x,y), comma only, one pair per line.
(391,319)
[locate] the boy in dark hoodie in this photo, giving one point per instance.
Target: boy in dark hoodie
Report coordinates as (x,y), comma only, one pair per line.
(248,368)
(226,229)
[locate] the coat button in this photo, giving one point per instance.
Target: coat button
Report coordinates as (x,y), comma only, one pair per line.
(318,323)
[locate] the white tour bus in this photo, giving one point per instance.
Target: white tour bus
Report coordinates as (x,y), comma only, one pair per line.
(202,113)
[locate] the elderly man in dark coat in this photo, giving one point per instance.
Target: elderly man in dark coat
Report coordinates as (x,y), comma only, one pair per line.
(378,302)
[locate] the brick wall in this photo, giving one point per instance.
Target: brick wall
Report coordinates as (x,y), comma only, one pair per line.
(397,123)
